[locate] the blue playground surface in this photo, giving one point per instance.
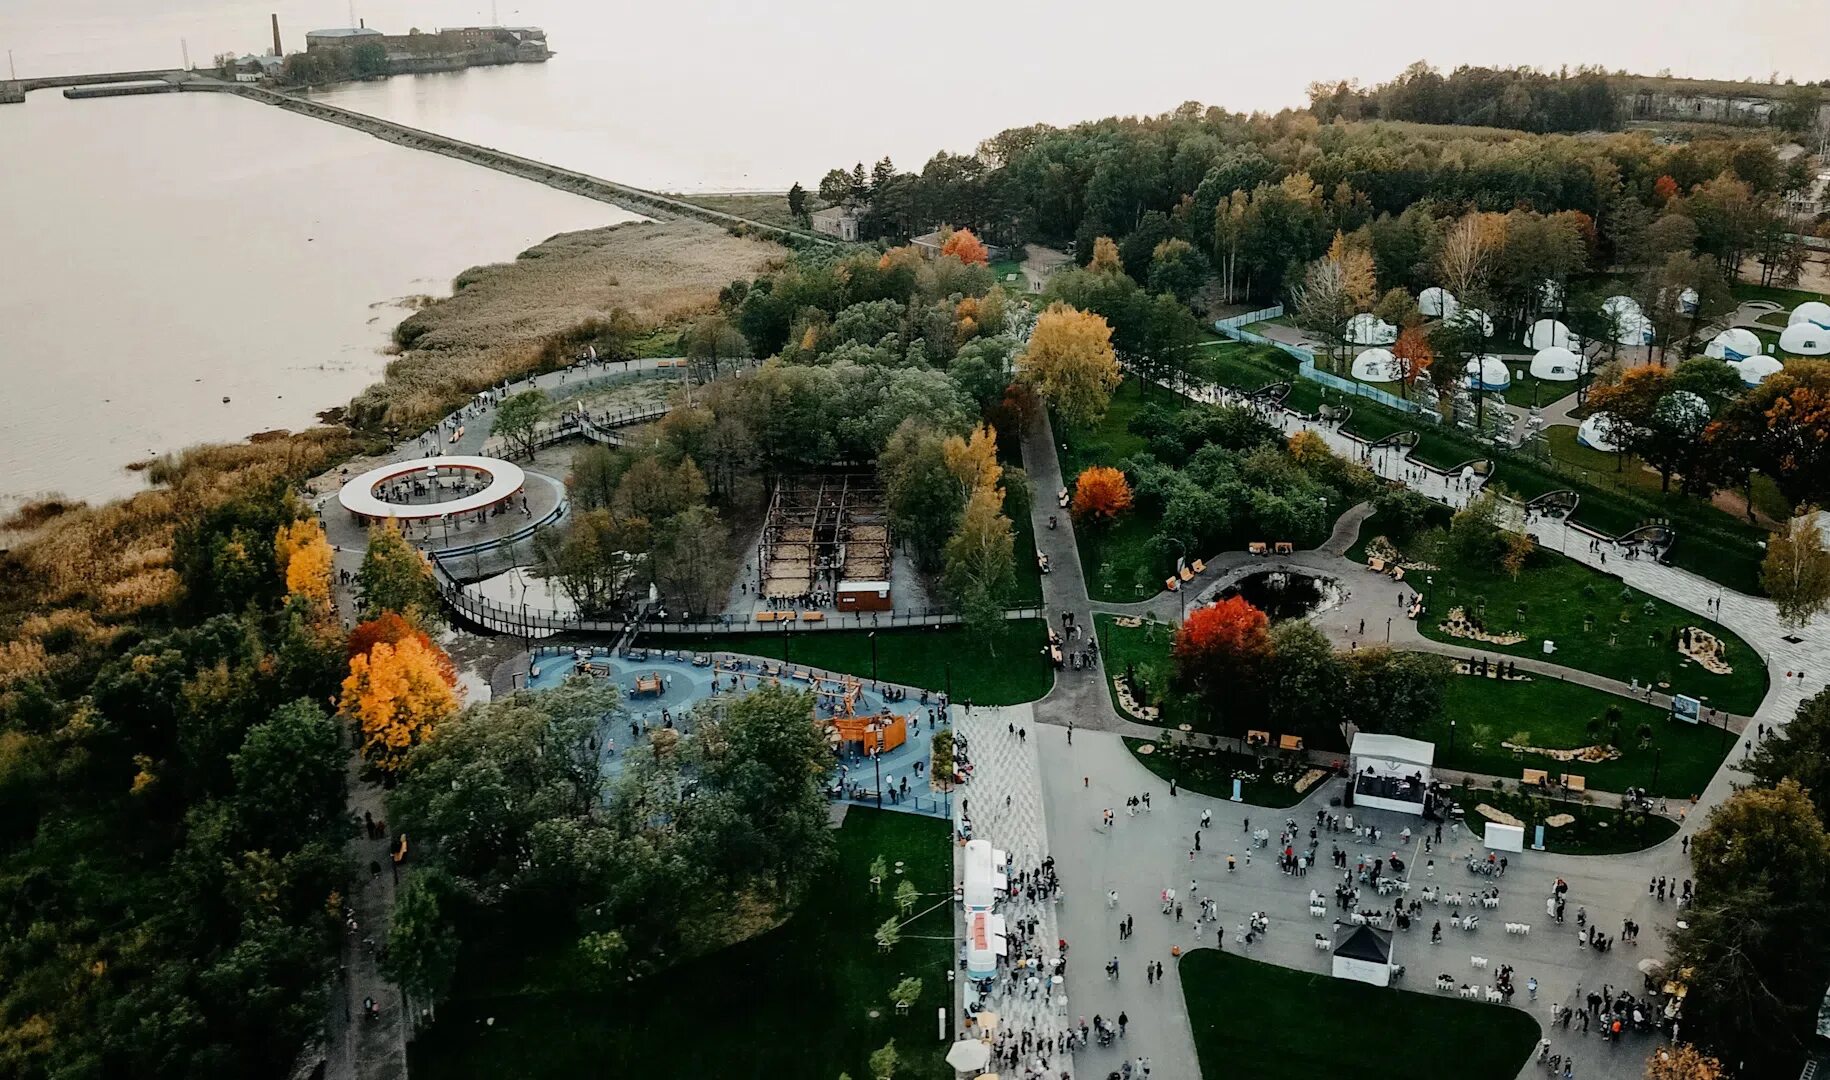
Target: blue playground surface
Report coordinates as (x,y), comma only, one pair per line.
(660,688)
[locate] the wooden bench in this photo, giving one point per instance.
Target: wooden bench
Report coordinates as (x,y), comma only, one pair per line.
(1171,584)
(1257,547)
(1284,547)
(1376,565)
(1200,567)
(1535,776)
(813,616)
(765,616)
(1258,738)
(1186,574)
(1289,742)
(1575,783)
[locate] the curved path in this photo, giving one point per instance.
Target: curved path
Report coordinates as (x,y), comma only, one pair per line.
(1095,771)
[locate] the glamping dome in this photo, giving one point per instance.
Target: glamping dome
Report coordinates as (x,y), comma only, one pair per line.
(1436,302)
(1549,334)
(1811,311)
(1687,302)
(1635,329)
(1682,410)
(1805,339)
(1620,305)
(1733,344)
(1594,434)
(1488,373)
(1471,317)
(1376,365)
(1755,369)
(1557,364)
(1368,329)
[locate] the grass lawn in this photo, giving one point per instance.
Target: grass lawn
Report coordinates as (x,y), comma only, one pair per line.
(1596,831)
(1146,648)
(1373,424)
(1245,368)
(1008,670)
(1529,389)
(1257,1021)
(1790,298)
(1211,772)
(1439,449)
(1488,712)
(809,998)
(1003,268)
(1119,560)
(1628,640)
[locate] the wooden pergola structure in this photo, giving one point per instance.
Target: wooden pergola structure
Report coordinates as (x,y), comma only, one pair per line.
(821,530)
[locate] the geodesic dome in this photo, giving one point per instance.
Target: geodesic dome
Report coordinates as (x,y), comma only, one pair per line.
(1368,329)
(1634,329)
(1811,311)
(1805,338)
(1549,334)
(1557,364)
(1620,305)
(1487,373)
(1756,369)
(1733,344)
(1687,301)
(1682,409)
(1376,366)
(1436,302)
(1471,316)
(1593,434)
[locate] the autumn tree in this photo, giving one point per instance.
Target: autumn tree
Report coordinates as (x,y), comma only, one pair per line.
(981,563)
(391,628)
(1683,1061)
(1105,256)
(711,341)
(1796,570)
(398,695)
(394,576)
(1469,251)
(304,558)
(973,460)
(1070,364)
(1220,650)
(1414,356)
(1784,424)
(967,248)
(1101,494)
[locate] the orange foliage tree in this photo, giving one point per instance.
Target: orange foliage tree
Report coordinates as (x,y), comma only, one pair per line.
(1683,1062)
(1664,189)
(965,247)
(1101,494)
(1413,353)
(1220,648)
(392,628)
(398,694)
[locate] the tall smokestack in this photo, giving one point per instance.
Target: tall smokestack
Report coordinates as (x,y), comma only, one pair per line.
(277,51)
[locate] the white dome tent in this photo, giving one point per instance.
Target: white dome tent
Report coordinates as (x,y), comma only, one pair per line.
(1557,364)
(1811,311)
(1594,434)
(1620,305)
(1488,373)
(1682,410)
(1734,344)
(1549,334)
(1472,316)
(1687,302)
(1756,369)
(1436,302)
(1368,329)
(1805,339)
(1634,329)
(1376,366)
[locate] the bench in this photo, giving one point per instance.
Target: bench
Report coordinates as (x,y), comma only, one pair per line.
(765,616)
(1575,783)
(1186,574)
(1284,547)
(1535,776)
(1171,584)
(1200,567)
(1257,547)
(813,616)
(1289,742)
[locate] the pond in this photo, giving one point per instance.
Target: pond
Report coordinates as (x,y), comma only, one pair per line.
(1282,595)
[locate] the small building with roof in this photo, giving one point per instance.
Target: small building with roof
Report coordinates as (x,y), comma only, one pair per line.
(1391,772)
(337,37)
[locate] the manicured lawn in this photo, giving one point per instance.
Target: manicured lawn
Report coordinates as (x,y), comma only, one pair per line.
(1146,649)
(1211,772)
(1790,298)
(1028,592)
(1529,390)
(1257,1021)
(1597,830)
(1119,560)
(810,998)
(1110,441)
(1245,368)
(1437,448)
(1628,641)
(1372,424)
(1008,670)
(1488,712)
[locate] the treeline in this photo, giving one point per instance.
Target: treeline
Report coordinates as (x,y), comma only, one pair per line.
(172,789)
(335,64)
(1258,197)
(1523,98)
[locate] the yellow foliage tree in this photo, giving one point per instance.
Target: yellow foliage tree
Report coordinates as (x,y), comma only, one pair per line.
(1070,363)
(1358,278)
(398,694)
(304,559)
(973,460)
(1683,1062)
(1307,448)
(1105,256)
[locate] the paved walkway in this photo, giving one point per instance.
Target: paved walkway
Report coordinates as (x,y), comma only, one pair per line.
(1097,771)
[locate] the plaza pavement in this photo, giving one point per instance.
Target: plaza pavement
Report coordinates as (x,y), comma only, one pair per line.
(1098,772)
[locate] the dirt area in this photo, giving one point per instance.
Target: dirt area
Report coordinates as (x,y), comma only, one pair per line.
(768,207)
(619,393)
(501,315)
(1815,277)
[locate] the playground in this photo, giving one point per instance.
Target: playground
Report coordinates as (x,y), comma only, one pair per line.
(662,688)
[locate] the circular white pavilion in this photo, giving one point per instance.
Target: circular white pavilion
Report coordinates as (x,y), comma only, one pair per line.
(1488,373)
(456,485)
(1368,329)
(1756,369)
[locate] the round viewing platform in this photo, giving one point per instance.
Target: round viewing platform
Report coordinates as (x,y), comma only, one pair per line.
(431,488)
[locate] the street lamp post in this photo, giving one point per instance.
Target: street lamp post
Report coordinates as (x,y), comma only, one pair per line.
(1388,629)
(1658,755)
(877,759)
(873,637)
(1451,737)
(1181,586)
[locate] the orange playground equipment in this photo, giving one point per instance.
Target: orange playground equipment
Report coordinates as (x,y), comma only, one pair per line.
(839,698)
(648,685)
